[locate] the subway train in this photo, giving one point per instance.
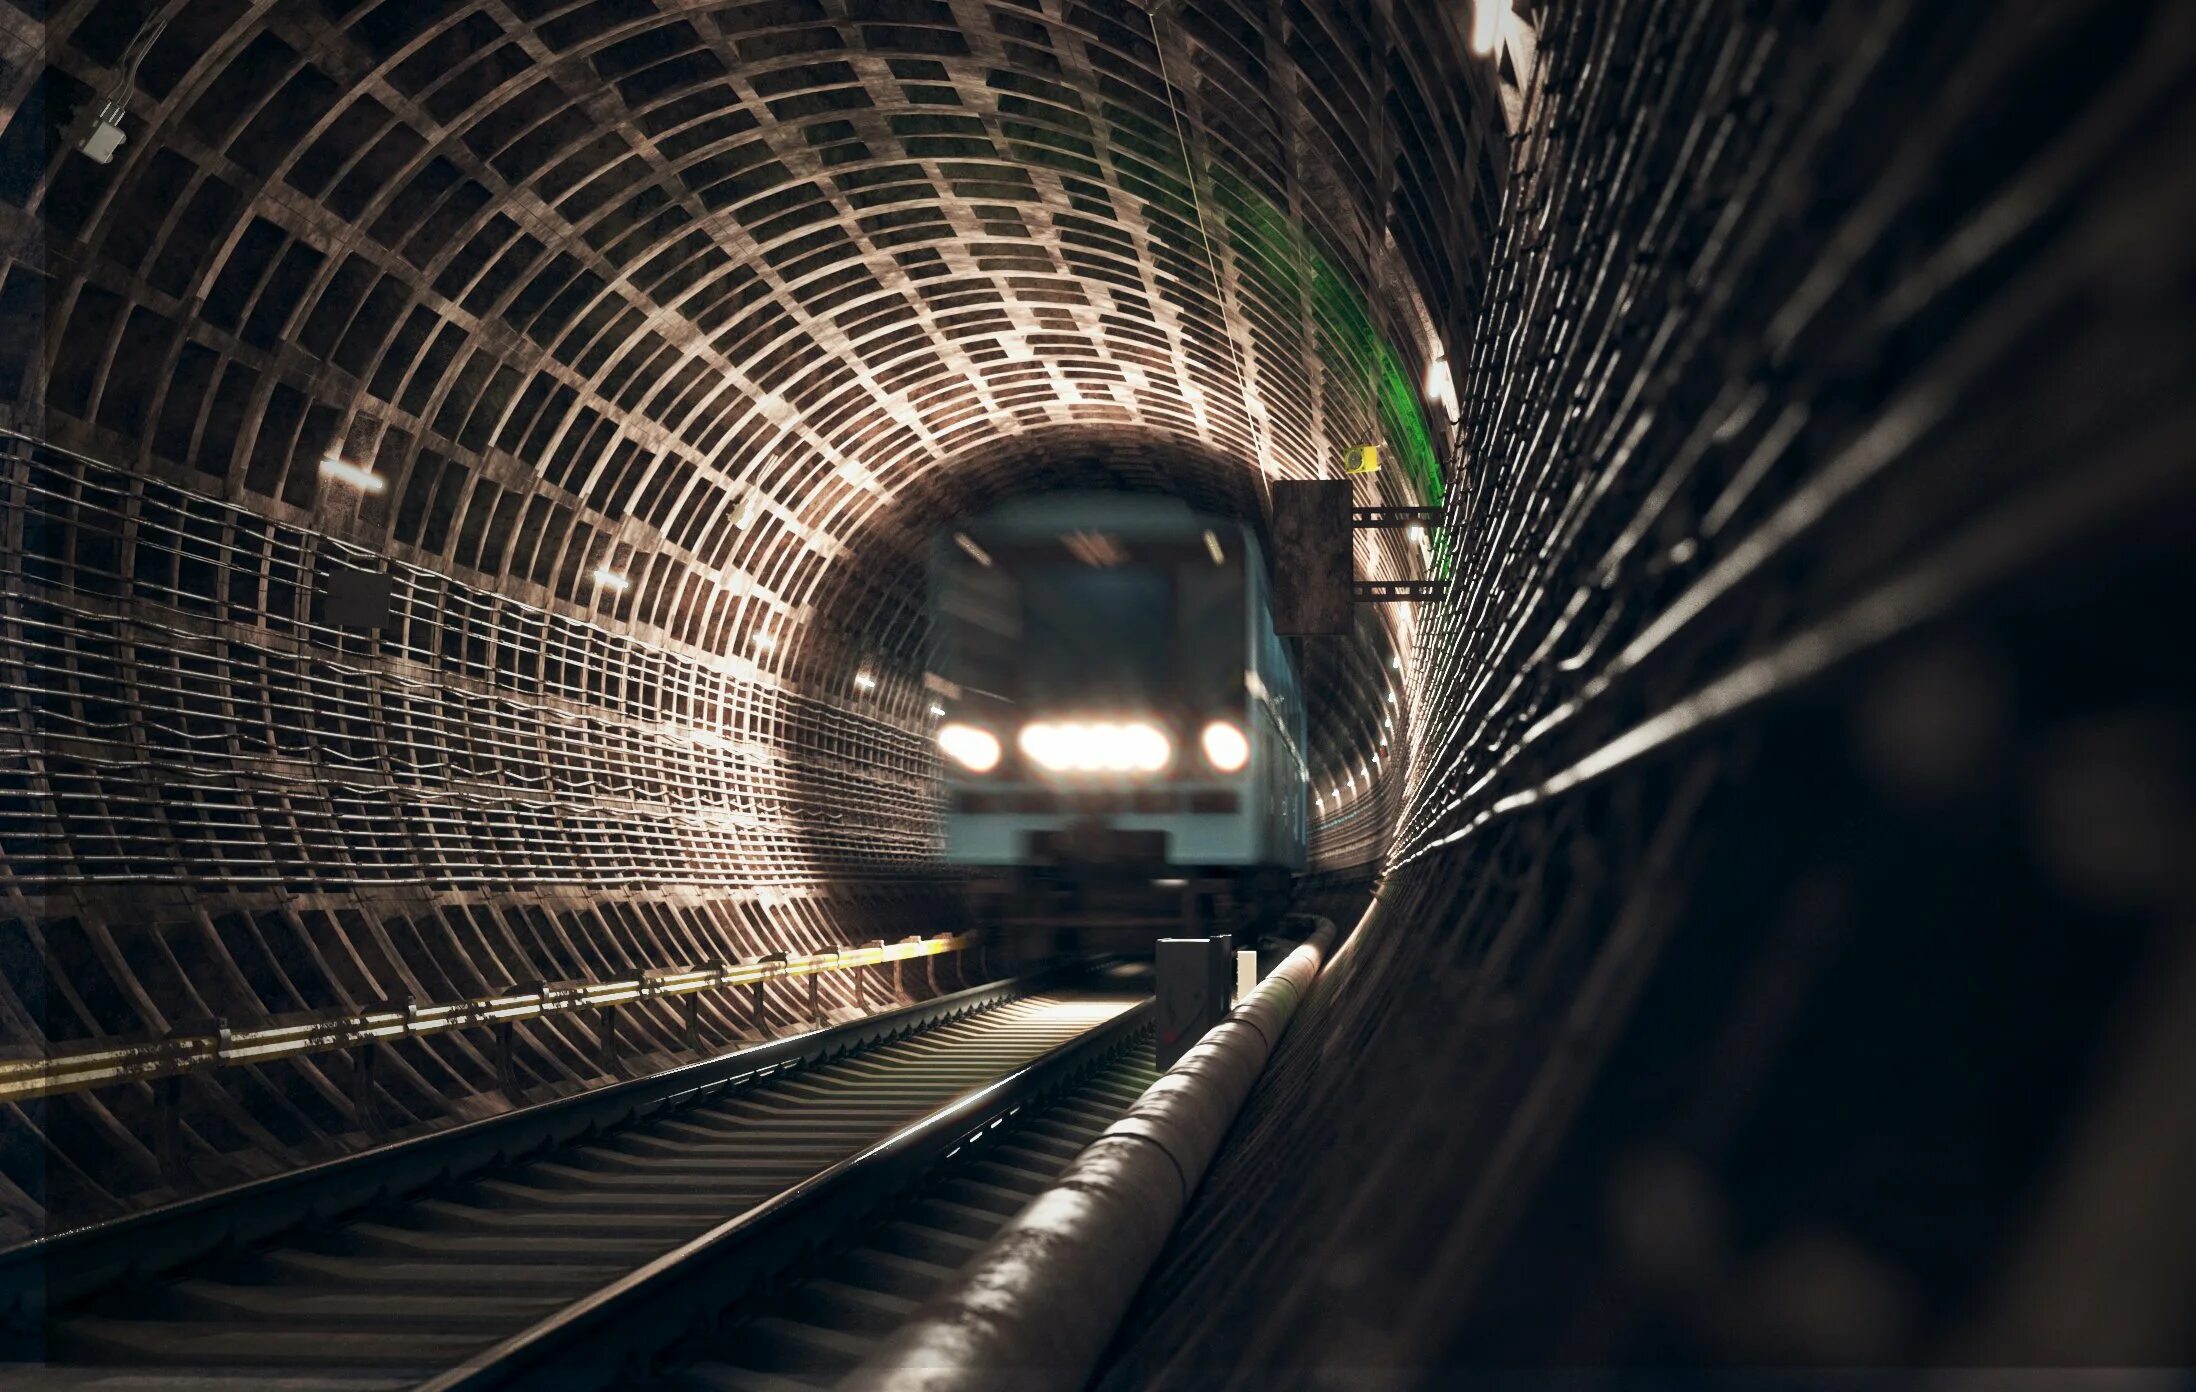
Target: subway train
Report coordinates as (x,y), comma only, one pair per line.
(1121,730)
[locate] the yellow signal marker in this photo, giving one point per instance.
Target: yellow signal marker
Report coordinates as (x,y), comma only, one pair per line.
(1365,459)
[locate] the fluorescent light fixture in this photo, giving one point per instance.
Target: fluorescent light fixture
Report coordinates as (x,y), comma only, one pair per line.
(1487,17)
(1418,534)
(975,553)
(358,476)
(1212,548)
(936,710)
(864,682)
(1441,388)
(611,580)
(764,642)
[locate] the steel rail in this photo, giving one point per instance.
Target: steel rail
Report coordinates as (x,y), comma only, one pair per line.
(77,1070)
(65,1266)
(599,1341)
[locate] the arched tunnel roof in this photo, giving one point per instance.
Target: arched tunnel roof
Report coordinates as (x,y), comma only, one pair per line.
(731,302)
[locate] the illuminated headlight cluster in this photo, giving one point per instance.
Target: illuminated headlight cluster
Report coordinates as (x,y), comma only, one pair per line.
(1075,747)
(974,749)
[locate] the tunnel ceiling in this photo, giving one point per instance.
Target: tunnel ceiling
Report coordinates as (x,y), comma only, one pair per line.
(661,332)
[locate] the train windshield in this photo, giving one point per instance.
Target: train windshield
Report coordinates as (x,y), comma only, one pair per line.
(1097,638)
(1064,625)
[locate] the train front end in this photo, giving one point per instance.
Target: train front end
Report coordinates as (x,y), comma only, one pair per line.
(1118,726)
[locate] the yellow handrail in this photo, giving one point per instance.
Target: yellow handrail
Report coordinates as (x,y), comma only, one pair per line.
(74,1070)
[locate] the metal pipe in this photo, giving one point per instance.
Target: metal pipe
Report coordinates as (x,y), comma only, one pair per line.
(1035,1308)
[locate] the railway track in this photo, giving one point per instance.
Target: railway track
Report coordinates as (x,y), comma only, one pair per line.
(484,1274)
(831,1312)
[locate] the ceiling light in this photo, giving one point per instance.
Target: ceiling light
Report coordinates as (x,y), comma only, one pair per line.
(1441,387)
(864,682)
(358,476)
(1212,548)
(765,643)
(611,580)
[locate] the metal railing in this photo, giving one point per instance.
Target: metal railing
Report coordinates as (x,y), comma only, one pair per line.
(76,1070)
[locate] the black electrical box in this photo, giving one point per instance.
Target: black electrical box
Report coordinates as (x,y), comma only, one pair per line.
(1196,981)
(1311,561)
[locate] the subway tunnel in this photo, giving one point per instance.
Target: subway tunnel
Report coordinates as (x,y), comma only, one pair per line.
(1761,857)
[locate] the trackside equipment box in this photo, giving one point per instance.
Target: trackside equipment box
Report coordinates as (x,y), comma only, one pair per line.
(1194,979)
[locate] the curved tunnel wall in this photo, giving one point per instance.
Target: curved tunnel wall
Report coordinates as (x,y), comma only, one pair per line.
(1784,958)
(731,303)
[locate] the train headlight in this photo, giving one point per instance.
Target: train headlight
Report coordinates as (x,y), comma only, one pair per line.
(1225,747)
(973,749)
(1134,746)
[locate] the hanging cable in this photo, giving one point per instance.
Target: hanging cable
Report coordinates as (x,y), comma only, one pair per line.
(1251,415)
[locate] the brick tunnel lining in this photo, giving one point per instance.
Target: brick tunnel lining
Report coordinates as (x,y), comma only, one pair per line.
(1785,963)
(729,304)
